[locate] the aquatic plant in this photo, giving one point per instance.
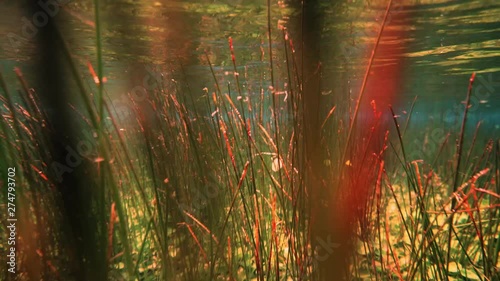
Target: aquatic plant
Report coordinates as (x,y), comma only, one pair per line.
(230,185)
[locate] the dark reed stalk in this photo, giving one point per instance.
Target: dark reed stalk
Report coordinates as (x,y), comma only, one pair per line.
(457,168)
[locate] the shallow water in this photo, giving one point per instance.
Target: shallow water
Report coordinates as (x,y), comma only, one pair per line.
(431,49)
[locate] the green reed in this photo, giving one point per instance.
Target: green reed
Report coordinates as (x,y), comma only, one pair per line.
(213,185)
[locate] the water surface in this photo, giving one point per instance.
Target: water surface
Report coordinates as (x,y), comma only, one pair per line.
(438,45)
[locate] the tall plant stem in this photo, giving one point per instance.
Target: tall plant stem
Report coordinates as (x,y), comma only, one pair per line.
(102,169)
(363,85)
(100,85)
(273,97)
(457,169)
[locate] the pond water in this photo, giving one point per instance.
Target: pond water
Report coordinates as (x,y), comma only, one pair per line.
(428,49)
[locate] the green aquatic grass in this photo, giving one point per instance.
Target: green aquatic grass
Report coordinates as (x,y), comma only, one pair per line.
(214,186)
(198,197)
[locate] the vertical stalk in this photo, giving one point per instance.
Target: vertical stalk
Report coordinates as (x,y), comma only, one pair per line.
(99,63)
(363,85)
(456,178)
(103,169)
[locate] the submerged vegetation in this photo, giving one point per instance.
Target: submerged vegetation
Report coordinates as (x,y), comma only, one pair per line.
(225,184)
